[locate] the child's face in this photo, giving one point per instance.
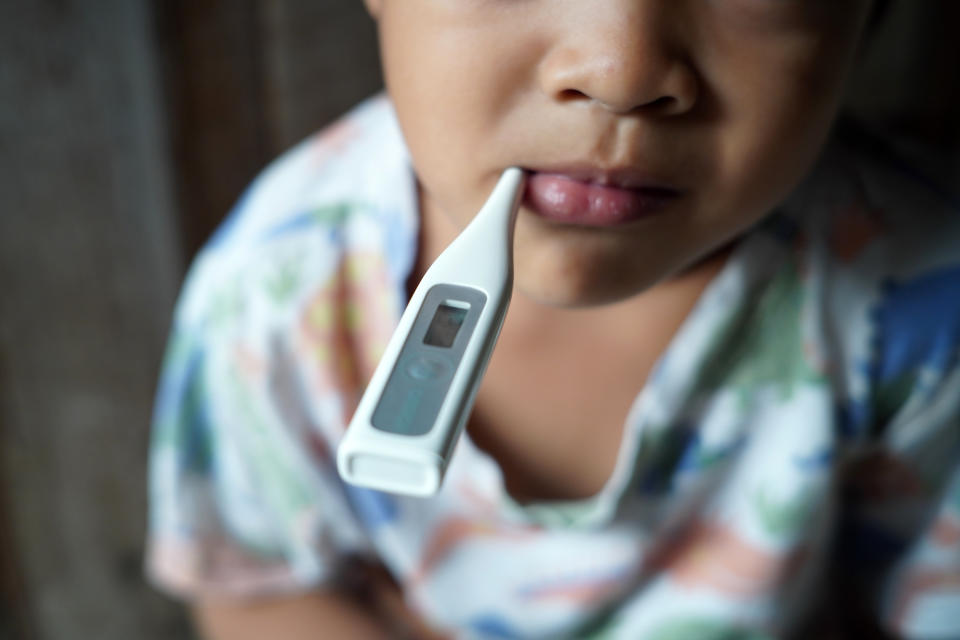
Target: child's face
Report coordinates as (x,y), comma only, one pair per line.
(655,131)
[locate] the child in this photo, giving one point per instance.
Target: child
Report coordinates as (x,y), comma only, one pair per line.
(726,400)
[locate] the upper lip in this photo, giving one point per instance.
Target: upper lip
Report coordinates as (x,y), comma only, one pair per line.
(621,177)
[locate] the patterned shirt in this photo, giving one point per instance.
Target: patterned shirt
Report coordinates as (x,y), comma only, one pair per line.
(799,436)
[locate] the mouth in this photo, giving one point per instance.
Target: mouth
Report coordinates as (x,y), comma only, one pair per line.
(593,198)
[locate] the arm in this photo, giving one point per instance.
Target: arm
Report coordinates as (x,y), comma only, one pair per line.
(313,616)
(372,609)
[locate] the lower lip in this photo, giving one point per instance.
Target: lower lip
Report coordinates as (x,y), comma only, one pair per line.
(559,198)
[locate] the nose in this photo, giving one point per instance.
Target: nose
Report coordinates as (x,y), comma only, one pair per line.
(621,56)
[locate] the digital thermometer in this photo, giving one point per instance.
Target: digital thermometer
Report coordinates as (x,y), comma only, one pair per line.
(417,403)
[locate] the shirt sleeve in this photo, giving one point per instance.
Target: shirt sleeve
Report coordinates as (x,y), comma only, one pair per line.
(901,531)
(923,597)
(890,289)
(915,499)
(244,496)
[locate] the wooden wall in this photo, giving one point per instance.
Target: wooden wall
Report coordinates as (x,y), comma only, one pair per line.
(89,262)
(245,80)
(127,129)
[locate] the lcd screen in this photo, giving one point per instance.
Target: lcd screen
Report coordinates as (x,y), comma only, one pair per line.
(445,325)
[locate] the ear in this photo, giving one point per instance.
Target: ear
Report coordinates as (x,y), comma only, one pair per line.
(374,7)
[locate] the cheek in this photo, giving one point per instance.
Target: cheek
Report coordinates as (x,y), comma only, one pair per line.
(452,87)
(776,106)
(422,86)
(451,77)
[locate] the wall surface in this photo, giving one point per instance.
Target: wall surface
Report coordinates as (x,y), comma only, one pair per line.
(127,129)
(89,263)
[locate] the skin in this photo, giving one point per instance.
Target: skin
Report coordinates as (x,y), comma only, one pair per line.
(727,101)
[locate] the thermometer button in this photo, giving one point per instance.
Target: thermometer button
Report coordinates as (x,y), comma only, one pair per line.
(426,369)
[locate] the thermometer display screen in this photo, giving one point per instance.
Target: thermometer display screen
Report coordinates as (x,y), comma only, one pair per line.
(445,325)
(429,360)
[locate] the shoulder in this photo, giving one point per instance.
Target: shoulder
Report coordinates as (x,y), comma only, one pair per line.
(358,159)
(862,200)
(867,218)
(306,276)
(880,246)
(285,308)
(346,191)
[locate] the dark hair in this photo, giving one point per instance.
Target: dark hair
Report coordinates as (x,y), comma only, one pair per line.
(879,10)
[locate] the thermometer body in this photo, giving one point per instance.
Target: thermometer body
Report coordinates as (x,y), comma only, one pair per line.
(417,403)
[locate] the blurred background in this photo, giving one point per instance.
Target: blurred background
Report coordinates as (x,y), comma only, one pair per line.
(127,129)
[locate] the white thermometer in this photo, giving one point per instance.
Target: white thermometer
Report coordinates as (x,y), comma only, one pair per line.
(403,433)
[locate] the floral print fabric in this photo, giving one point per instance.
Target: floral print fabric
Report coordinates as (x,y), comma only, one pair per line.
(801,432)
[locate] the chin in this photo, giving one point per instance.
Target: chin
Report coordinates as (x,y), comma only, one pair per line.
(573,267)
(573,286)
(564,301)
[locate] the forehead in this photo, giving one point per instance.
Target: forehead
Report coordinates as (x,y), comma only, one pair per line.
(823,15)
(699,29)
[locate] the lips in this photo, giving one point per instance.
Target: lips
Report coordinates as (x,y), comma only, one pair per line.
(594,198)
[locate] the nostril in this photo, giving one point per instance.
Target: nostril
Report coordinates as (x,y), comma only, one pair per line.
(662,104)
(571,95)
